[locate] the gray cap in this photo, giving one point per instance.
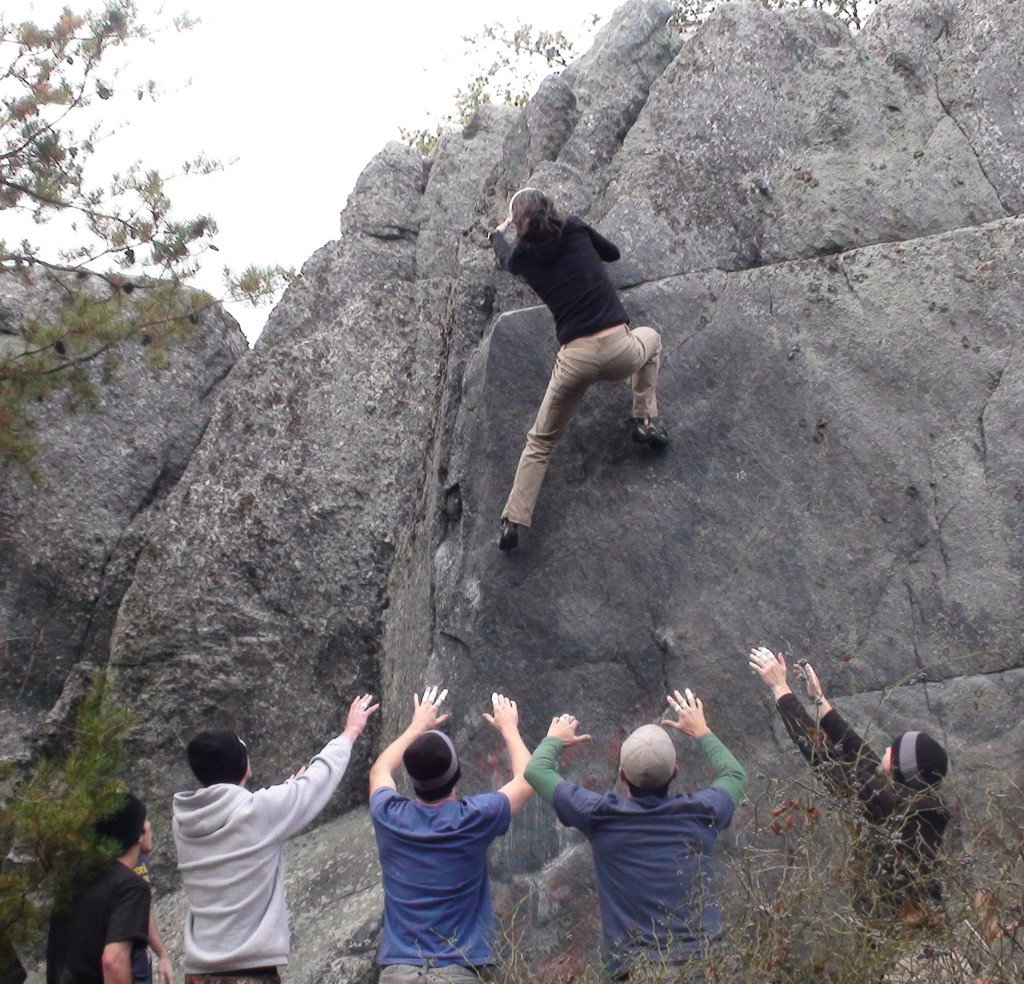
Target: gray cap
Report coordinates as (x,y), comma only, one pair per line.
(648,757)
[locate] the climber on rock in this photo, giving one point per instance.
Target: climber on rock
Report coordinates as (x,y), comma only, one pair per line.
(898,794)
(652,852)
(563,259)
(438,920)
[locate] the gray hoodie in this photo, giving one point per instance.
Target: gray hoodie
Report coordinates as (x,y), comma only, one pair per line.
(230,846)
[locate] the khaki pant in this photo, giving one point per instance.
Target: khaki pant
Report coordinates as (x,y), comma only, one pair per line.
(623,354)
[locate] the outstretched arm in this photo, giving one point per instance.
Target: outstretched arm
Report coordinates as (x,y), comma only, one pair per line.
(425,716)
(542,772)
(289,806)
(690,720)
(505,720)
(828,742)
(806,735)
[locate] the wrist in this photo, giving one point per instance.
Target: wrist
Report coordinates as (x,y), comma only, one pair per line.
(702,733)
(351,732)
(780,690)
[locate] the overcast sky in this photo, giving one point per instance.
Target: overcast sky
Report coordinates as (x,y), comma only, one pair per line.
(300,94)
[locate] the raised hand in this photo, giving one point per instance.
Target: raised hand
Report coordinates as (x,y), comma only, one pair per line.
(359,712)
(564,728)
(771,668)
(804,671)
(506,713)
(425,715)
(689,710)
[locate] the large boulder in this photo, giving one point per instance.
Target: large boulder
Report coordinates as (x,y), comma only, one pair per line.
(825,230)
(775,136)
(74,520)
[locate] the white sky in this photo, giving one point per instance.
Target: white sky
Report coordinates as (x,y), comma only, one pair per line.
(300,94)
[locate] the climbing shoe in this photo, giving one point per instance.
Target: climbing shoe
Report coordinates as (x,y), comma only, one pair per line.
(508,539)
(648,432)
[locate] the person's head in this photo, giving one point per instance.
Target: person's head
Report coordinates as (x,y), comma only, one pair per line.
(127,826)
(915,759)
(218,756)
(647,761)
(433,766)
(534,215)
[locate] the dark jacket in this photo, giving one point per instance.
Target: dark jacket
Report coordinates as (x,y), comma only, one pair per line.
(567,272)
(905,826)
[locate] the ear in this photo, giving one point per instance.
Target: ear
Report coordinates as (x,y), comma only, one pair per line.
(675,772)
(622,776)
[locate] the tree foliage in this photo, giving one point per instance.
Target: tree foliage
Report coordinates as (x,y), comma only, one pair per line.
(47,821)
(125,260)
(512,62)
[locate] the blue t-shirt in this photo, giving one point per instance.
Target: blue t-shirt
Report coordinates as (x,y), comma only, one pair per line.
(652,856)
(437,896)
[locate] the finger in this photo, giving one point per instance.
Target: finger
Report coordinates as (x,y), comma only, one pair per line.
(494,700)
(372,708)
(441,697)
(442,719)
(489,719)
(689,696)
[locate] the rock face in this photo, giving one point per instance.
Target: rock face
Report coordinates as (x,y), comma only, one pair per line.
(71,533)
(825,229)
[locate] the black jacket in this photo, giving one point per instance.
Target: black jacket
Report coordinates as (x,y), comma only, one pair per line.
(906,825)
(567,272)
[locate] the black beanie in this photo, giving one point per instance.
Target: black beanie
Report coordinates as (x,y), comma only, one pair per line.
(431,762)
(918,760)
(125,824)
(218,756)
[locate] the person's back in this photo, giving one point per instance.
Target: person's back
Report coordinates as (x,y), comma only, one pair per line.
(434,865)
(231,859)
(567,272)
(438,918)
(230,844)
(652,853)
(652,857)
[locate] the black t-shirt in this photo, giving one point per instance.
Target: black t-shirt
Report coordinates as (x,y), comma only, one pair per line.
(113,908)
